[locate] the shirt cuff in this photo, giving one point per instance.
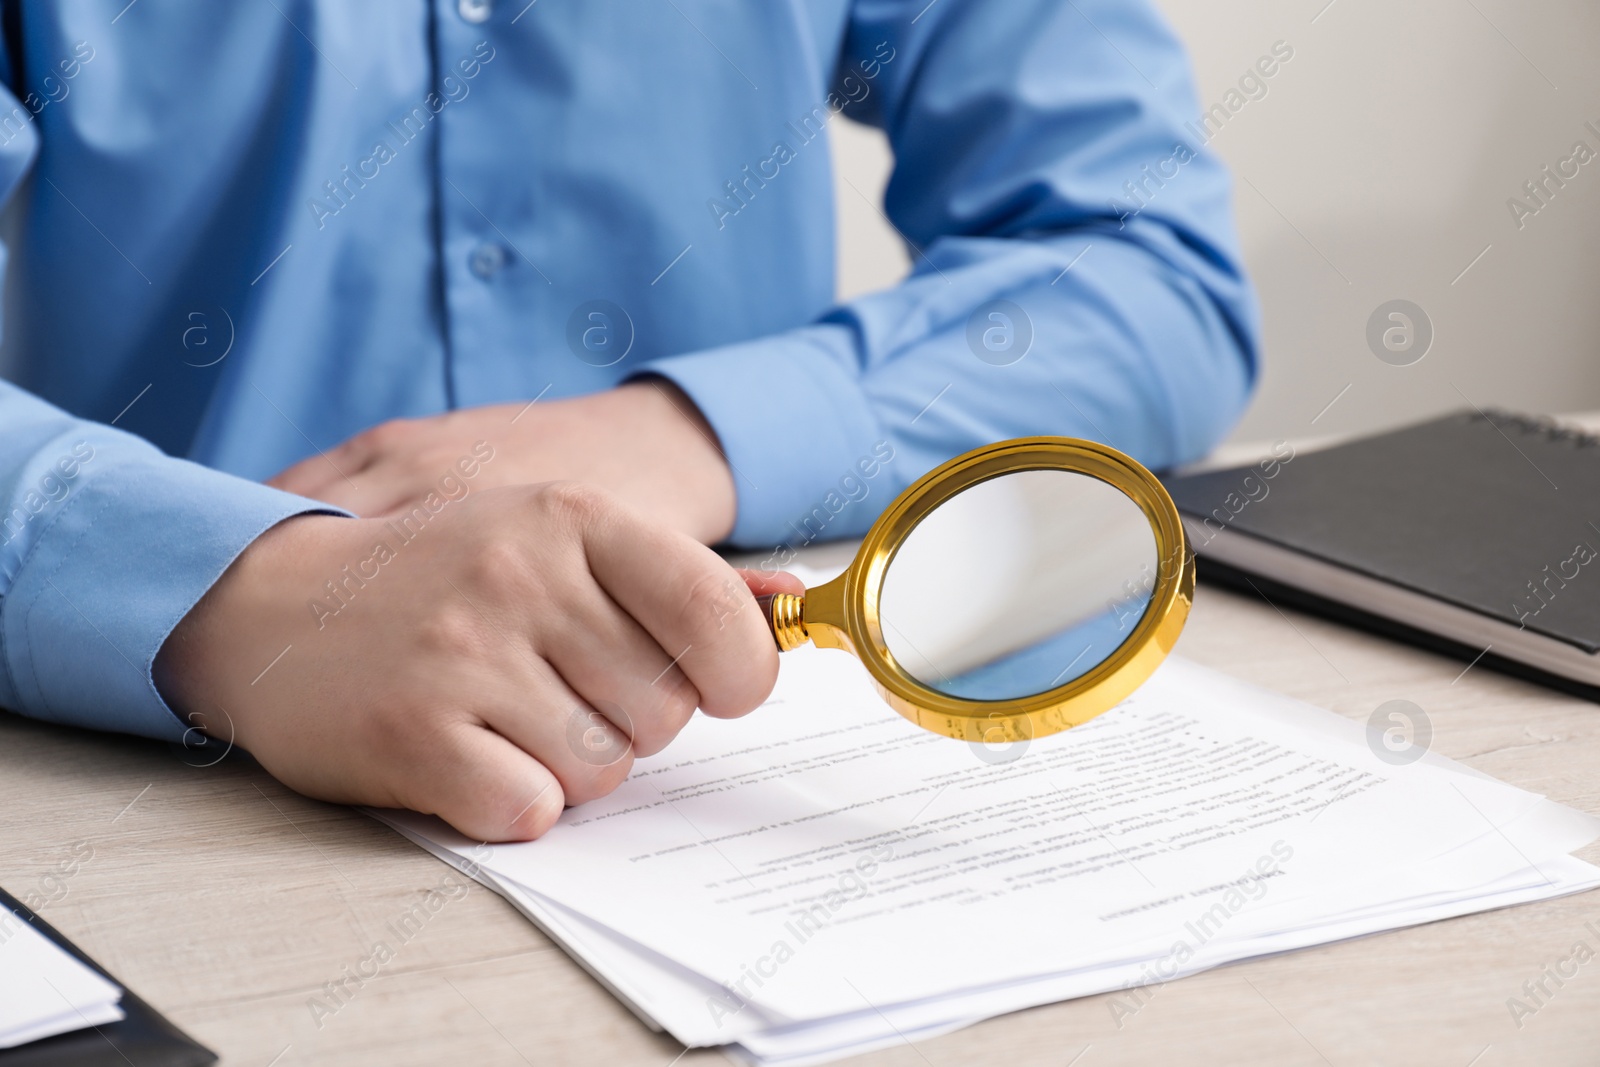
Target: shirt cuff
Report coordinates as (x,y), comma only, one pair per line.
(122,562)
(802,441)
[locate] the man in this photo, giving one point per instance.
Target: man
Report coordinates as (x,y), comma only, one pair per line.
(560,277)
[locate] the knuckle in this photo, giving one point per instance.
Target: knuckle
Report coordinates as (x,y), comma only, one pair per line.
(385,434)
(496,563)
(675,705)
(710,605)
(574,502)
(410,739)
(424,752)
(679,699)
(591,782)
(452,632)
(615,773)
(595,737)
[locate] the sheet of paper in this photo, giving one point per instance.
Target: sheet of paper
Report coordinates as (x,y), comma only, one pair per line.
(685,1003)
(851,838)
(43,990)
(823,835)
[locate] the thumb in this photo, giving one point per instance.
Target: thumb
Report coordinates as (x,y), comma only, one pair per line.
(763,582)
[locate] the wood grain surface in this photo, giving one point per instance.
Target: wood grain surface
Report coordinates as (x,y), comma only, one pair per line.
(229,903)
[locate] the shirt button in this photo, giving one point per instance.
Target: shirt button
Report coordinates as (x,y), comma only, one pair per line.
(486,260)
(474,10)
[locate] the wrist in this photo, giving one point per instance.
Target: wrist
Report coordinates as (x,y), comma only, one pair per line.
(251,613)
(683,448)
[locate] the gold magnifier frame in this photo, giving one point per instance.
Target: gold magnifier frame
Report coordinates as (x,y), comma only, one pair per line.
(843,613)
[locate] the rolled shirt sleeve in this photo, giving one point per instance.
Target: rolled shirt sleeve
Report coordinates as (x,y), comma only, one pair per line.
(1074,267)
(105,545)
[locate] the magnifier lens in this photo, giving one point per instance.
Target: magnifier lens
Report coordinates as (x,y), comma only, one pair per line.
(1018,585)
(1015,591)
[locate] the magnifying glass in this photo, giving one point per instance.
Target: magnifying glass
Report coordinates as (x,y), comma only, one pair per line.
(1013,592)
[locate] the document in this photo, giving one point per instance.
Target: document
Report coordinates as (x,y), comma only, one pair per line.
(821,875)
(44,991)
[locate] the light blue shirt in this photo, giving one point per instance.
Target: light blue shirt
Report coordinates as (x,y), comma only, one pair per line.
(240,232)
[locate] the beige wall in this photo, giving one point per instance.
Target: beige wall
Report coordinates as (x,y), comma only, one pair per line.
(1378,167)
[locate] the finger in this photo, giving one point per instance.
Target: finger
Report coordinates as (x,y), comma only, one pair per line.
(395,501)
(486,787)
(317,474)
(370,494)
(695,606)
(587,752)
(761,583)
(618,668)
(311,475)
(306,477)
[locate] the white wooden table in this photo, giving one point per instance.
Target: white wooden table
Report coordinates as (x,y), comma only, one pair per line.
(229,902)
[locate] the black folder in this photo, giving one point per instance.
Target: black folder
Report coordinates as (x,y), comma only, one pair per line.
(142,1039)
(1476,534)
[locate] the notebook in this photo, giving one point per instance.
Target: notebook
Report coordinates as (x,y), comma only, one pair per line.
(1477,534)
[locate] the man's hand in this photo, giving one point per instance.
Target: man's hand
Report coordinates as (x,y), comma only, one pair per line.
(510,657)
(644,441)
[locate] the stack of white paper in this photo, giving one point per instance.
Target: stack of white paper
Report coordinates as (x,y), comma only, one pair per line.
(822,878)
(44,991)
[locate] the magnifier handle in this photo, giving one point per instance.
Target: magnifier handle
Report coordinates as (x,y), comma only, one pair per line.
(785,615)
